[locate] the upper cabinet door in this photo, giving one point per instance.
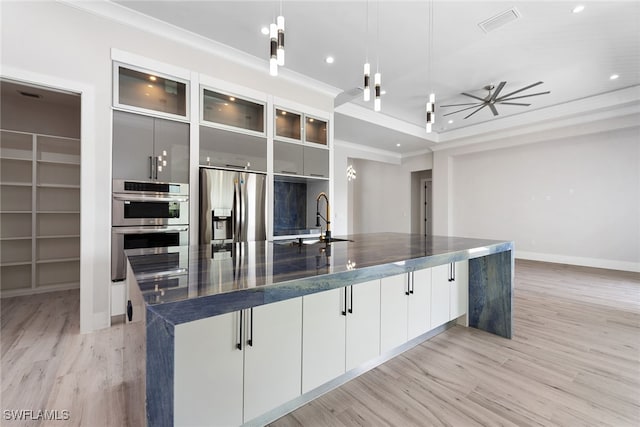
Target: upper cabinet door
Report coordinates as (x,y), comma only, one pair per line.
(171,149)
(132,146)
(288,125)
(315,130)
(230,111)
(142,90)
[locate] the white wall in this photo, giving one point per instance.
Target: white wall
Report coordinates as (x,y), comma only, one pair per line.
(40,116)
(63,43)
(379,199)
(574,199)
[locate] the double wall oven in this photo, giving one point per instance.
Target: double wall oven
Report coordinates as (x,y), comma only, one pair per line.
(152,217)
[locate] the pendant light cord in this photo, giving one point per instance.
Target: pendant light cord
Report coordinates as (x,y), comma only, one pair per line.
(378,38)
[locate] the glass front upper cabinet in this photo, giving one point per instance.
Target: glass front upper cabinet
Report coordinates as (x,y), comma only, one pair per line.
(288,124)
(231,111)
(143,90)
(315,130)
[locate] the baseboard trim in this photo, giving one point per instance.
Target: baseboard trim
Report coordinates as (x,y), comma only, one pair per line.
(39,290)
(582,261)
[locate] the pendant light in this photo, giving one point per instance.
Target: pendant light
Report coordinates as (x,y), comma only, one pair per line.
(280,25)
(431,103)
(377,78)
(376,102)
(273,60)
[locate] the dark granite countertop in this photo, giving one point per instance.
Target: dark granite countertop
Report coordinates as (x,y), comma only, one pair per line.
(222,279)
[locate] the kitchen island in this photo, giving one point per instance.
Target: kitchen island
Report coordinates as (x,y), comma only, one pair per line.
(251,330)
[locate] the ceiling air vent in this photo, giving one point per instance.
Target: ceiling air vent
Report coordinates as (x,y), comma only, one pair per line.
(499,20)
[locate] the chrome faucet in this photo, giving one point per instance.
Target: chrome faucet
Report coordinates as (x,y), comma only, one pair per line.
(327,234)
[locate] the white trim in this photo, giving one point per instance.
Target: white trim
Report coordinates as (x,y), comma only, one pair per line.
(194,160)
(368,115)
(582,261)
(393,157)
(88,193)
(126,16)
(148,64)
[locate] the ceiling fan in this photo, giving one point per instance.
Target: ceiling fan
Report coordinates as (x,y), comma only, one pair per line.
(493,98)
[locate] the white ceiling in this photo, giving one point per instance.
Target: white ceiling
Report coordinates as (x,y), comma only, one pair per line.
(573,54)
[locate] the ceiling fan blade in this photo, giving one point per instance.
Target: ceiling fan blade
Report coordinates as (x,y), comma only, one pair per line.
(514,103)
(493,109)
(464,109)
(520,90)
(480,108)
(460,105)
(495,94)
(504,98)
(473,96)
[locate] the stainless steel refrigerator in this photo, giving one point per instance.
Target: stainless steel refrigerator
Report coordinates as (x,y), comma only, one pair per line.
(232,206)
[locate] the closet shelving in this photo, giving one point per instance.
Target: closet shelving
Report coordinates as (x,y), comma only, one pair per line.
(39,212)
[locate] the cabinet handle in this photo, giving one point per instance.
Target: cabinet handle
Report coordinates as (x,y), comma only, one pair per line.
(150,167)
(351,304)
(129,310)
(239,345)
(250,340)
(289,172)
(344,312)
(408,291)
(319,175)
(234,166)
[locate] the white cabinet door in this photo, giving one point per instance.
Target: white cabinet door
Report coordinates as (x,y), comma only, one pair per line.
(419,304)
(273,356)
(394,296)
(363,323)
(459,290)
(208,372)
(440,295)
(323,329)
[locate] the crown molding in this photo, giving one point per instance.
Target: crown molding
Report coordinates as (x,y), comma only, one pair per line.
(118,13)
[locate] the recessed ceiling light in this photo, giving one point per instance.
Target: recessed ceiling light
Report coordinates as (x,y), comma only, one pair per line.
(578,8)
(383,92)
(265,31)
(231,98)
(153,78)
(329,60)
(450,121)
(397,145)
(613,76)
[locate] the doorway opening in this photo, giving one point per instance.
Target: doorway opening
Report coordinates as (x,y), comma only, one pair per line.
(421,201)
(40,189)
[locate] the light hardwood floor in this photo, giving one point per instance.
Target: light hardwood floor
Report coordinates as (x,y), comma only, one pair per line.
(574,360)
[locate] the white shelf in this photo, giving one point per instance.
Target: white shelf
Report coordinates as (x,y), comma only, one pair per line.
(16,184)
(13,264)
(20,159)
(7,239)
(58,212)
(59,162)
(52,260)
(73,187)
(59,236)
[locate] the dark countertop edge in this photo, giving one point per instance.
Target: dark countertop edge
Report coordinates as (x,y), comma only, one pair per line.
(178,312)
